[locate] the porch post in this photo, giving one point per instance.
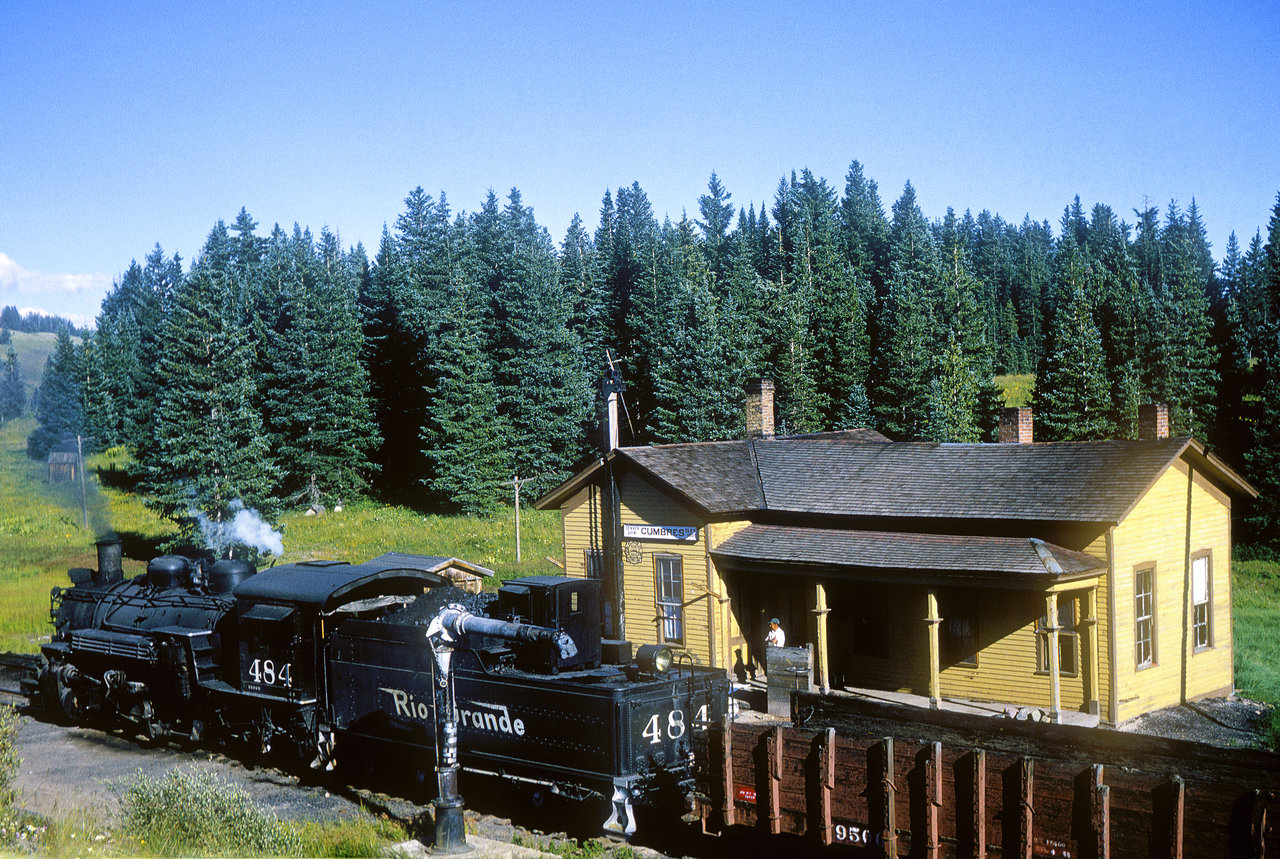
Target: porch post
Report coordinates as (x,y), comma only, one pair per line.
(1090,624)
(1055,657)
(935,659)
(821,611)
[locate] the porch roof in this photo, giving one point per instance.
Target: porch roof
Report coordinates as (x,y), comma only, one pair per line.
(1018,561)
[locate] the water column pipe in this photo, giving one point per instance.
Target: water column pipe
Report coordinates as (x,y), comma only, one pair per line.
(446,633)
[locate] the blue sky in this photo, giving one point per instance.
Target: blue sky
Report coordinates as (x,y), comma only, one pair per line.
(128,124)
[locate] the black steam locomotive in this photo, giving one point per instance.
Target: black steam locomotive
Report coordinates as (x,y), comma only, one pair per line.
(333,660)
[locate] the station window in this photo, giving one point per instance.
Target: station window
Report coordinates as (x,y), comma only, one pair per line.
(959,644)
(1144,633)
(593,563)
(1201,599)
(670,576)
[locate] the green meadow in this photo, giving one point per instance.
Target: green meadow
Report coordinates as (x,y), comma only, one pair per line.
(43,533)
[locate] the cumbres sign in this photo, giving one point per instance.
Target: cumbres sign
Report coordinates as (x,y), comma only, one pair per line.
(673,533)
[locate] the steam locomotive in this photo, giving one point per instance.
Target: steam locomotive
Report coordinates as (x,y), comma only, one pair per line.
(333,660)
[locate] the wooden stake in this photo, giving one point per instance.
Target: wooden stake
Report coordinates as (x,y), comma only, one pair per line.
(933,801)
(978,808)
(826,784)
(886,793)
(1100,813)
(727,808)
(773,748)
(1026,811)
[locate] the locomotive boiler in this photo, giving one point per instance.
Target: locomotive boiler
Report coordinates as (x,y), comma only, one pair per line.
(334,661)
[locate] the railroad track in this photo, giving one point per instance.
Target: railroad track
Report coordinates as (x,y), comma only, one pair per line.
(14,669)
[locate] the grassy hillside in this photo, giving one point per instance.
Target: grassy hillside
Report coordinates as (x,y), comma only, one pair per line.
(43,533)
(1017,389)
(32,351)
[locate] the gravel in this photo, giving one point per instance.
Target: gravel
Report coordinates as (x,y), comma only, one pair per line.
(1231,722)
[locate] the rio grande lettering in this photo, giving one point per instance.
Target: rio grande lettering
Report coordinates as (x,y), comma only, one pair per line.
(495,717)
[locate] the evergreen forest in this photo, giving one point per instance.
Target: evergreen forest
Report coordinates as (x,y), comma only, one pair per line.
(281,369)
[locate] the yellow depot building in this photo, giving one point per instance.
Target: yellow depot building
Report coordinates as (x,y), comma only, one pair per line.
(1079,576)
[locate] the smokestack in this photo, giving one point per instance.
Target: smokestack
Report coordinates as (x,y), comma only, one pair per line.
(760,408)
(1153,421)
(110,550)
(1016,425)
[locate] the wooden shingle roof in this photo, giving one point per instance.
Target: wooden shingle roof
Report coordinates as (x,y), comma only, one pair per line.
(1070,481)
(863,474)
(896,555)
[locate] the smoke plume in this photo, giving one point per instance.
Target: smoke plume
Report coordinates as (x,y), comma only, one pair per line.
(245,528)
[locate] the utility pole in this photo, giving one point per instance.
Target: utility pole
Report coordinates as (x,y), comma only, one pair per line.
(517,482)
(84,501)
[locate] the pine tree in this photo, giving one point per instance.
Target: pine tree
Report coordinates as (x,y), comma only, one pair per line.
(717,217)
(464,439)
(60,408)
(13,392)
(699,381)
(1072,398)
(1183,365)
(211,453)
(908,333)
(539,371)
(318,420)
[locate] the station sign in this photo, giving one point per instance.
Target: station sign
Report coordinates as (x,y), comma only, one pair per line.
(668,533)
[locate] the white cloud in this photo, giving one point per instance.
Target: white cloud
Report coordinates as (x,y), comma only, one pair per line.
(15,277)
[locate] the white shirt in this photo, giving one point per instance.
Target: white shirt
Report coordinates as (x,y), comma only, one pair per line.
(776,637)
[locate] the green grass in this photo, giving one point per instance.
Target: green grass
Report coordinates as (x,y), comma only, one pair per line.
(1017,389)
(1256,612)
(32,351)
(43,534)
(365,530)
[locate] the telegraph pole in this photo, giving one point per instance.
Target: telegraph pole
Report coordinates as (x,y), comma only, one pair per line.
(517,482)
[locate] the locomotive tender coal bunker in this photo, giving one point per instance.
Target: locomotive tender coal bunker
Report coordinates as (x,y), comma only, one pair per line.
(332,660)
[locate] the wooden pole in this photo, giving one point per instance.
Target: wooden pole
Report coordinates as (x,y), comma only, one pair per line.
(84,501)
(821,611)
(516,482)
(935,653)
(1055,657)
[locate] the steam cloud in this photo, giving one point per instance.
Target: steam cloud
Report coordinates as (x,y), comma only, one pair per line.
(246,528)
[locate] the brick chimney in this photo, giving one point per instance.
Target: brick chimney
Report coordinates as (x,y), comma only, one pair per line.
(1153,421)
(1016,425)
(760,408)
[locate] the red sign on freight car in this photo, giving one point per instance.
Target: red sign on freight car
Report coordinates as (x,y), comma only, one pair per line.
(746,794)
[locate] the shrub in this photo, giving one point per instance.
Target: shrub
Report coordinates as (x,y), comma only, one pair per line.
(192,813)
(9,760)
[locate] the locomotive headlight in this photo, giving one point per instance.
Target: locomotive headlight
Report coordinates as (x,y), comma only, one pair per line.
(653,658)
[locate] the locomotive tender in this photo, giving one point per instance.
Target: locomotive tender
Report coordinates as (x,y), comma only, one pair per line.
(332,659)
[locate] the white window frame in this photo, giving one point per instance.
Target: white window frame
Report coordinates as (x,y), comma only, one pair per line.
(669,597)
(1202,600)
(1144,616)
